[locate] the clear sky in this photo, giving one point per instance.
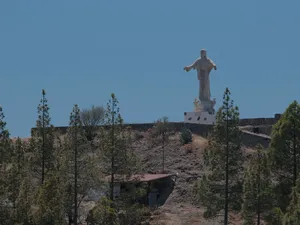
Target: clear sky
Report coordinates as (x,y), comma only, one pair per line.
(81,51)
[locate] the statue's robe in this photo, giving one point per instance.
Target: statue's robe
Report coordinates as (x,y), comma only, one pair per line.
(203,66)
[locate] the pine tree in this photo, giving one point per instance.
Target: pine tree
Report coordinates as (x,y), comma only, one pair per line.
(81,170)
(292,217)
(50,198)
(118,159)
(258,197)
(24,201)
(11,180)
(220,188)
(16,171)
(284,153)
(5,160)
(50,205)
(42,140)
(4,140)
(75,137)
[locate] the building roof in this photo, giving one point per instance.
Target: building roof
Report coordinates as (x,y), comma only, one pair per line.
(139,177)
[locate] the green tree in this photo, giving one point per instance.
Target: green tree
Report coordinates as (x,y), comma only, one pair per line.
(92,118)
(50,205)
(24,207)
(4,139)
(284,153)
(42,141)
(220,188)
(16,171)
(50,198)
(4,160)
(12,177)
(103,213)
(81,170)
(117,158)
(75,135)
(292,215)
(258,198)
(186,136)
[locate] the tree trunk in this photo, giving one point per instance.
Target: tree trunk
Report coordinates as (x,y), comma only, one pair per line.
(294,155)
(43,144)
(258,191)
(163,148)
(226,172)
(75,179)
(112,155)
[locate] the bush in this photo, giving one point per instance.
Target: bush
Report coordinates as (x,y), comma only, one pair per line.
(103,213)
(185,136)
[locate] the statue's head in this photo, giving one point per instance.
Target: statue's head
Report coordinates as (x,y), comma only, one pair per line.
(203,53)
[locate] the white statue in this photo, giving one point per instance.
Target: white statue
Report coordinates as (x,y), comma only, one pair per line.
(203,66)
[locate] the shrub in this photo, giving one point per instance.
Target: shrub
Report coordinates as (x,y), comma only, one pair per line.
(185,136)
(103,213)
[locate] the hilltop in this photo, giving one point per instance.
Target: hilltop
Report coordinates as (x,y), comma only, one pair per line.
(187,163)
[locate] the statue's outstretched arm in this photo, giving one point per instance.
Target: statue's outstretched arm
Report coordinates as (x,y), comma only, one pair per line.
(214,65)
(188,68)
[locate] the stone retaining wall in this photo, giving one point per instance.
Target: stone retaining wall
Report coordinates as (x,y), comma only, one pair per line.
(249,139)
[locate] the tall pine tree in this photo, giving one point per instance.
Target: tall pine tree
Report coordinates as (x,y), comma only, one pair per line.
(284,153)
(75,141)
(42,141)
(118,161)
(258,197)
(220,189)
(292,216)
(5,159)
(4,139)
(80,166)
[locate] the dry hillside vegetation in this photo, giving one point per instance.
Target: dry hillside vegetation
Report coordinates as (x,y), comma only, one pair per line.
(179,208)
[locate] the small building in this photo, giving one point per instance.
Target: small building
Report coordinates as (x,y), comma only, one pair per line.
(158,186)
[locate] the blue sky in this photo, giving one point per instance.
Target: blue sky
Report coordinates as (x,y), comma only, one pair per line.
(81,51)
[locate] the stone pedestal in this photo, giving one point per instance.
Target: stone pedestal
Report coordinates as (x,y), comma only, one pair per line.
(200,117)
(207,106)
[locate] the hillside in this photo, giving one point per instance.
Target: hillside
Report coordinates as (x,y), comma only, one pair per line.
(179,208)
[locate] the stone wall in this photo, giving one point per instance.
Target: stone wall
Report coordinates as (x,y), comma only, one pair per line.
(249,139)
(258,121)
(256,133)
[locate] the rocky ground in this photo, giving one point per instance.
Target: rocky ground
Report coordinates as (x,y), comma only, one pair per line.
(179,208)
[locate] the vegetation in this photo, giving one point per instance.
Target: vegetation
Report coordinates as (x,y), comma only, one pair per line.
(185,136)
(258,196)
(284,153)
(220,188)
(91,119)
(48,179)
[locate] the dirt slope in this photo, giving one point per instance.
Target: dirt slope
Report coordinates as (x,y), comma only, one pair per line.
(179,208)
